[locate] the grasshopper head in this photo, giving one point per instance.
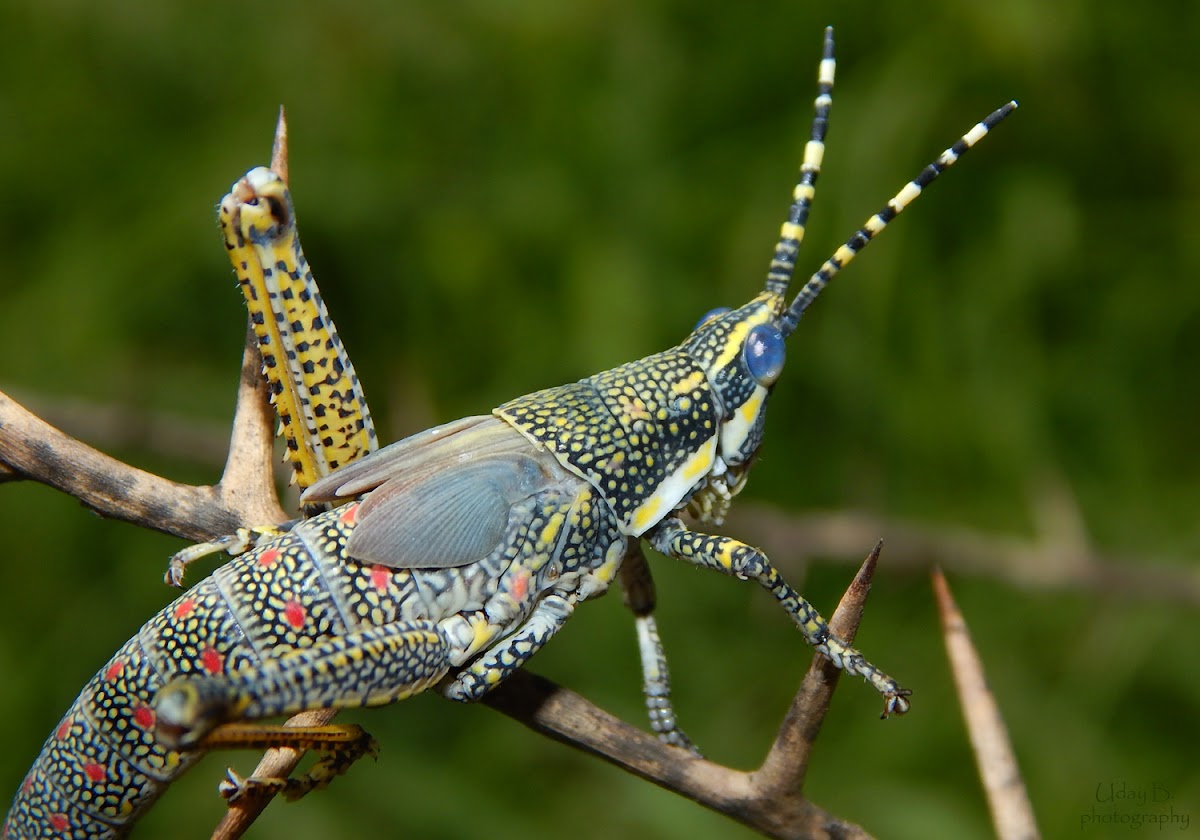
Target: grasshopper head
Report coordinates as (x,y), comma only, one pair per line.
(258,210)
(742,353)
(742,350)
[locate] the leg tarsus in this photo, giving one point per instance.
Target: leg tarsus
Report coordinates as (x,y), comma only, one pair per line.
(896,703)
(656,686)
(337,746)
(662,720)
(235,786)
(239,542)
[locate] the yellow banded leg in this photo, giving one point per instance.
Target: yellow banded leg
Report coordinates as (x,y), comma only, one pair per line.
(371,667)
(338,746)
(322,410)
(234,544)
(637,587)
(745,562)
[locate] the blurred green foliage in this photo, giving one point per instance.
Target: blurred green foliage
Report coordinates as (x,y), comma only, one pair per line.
(498,197)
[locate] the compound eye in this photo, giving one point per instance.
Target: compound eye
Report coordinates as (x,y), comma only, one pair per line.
(709,315)
(278,210)
(764,354)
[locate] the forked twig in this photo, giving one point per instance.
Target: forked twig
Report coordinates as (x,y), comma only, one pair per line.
(788,758)
(769,799)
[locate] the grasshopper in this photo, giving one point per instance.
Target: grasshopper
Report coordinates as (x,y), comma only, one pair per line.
(457,553)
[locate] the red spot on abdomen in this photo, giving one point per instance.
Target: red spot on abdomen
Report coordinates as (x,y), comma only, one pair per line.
(27,785)
(212,661)
(268,557)
(520,587)
(95,772)
(59,822)
(350,514)
(294,613)
(381,576)
(143,716)
(115,670)
(64,729)
(184,608)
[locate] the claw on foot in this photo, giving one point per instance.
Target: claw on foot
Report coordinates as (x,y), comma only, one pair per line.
(350,743)
(233,787)
(240,542)
(678,739)
(896,704)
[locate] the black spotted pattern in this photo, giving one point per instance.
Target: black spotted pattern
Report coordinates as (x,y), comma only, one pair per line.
(625,430)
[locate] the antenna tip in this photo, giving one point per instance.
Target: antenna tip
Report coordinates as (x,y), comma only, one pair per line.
(1000,113)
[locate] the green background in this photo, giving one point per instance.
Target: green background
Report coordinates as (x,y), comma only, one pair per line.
(499,197)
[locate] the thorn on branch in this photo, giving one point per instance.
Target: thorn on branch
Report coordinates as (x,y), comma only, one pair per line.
(1008,801)
(279,149)
(786,764)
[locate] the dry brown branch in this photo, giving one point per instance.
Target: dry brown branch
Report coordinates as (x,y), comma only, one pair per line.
(110,426)
(768,799)
(33,449)
(1008,801)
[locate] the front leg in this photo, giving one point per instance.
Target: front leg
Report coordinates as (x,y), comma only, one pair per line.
(727,555)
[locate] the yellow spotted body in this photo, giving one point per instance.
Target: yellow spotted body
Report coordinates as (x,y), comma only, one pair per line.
(292,624)
(642,434)
(467,547)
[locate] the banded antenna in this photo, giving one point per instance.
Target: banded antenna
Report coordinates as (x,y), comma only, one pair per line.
(791,234)
(792,231)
